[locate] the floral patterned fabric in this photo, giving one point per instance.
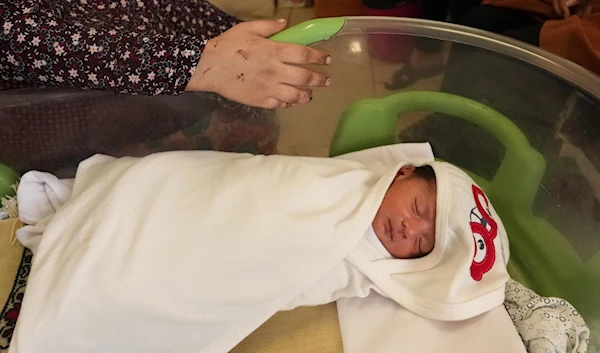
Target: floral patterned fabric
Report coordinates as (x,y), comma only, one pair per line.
(12,307)
(135,46)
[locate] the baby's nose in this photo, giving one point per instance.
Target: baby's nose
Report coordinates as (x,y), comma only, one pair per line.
(412,228)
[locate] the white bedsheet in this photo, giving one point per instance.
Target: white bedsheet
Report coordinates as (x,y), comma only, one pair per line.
(378,325)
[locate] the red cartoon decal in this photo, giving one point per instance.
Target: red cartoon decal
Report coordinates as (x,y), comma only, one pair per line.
(484,229)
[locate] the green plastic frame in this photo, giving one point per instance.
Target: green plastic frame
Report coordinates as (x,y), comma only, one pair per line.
(541,257)
(311,32)
(8,178)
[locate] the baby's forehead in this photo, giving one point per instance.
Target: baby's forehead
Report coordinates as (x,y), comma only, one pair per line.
(420,183)
(417,193)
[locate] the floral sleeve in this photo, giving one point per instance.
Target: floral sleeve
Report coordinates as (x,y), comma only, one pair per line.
(95,46)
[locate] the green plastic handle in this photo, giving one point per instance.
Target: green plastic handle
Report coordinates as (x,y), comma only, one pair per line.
(8,178)
(311,32)
(381,122)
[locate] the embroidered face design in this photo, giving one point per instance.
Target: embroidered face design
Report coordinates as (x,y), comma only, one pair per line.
(485,230)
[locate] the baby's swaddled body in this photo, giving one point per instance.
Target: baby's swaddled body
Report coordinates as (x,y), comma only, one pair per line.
(343,280)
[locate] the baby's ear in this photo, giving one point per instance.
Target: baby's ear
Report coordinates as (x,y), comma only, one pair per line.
(405,171)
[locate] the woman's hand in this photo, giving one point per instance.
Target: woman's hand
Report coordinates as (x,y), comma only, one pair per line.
(563,7)
(244,66)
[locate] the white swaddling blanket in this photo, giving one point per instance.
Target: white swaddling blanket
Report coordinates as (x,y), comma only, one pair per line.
(121,269)
(118,269)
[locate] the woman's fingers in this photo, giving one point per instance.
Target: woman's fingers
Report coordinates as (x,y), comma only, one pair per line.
(301,77)
(273,104)
(262,28)
(270,103)
(565,8)
(292,95)
(301,55)
(572,3)
(561,8)
(283,105)
(557,7)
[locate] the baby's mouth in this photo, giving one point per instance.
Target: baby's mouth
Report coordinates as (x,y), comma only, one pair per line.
(390,230)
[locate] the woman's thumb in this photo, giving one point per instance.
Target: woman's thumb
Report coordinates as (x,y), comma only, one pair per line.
(266,29)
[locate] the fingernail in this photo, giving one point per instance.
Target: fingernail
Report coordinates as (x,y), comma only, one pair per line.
(328,60)
(328,82)
(281,20)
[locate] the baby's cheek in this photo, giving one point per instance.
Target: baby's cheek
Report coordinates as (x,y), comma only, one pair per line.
(398,250)
(378,224)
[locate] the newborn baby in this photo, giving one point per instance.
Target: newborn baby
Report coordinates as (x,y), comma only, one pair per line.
(405,221)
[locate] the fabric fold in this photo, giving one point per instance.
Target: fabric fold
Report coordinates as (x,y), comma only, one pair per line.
(39,197)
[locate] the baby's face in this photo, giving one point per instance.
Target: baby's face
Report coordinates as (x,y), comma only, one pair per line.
(405,221)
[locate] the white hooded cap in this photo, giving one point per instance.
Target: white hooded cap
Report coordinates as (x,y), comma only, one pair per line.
(465,274)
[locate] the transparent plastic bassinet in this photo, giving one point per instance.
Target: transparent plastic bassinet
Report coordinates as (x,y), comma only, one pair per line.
(524,123)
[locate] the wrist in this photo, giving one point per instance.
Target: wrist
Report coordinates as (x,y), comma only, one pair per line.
(201,78)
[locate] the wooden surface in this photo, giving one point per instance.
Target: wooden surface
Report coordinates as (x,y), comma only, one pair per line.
(303,330)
